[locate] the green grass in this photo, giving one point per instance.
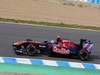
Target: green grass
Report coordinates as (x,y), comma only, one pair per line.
(49,23)
(45,70)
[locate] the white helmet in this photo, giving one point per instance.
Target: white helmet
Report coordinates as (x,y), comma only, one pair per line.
(52,41)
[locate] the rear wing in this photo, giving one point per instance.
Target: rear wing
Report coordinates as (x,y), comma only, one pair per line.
(86,44)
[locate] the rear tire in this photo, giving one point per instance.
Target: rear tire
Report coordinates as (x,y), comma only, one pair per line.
(84,55)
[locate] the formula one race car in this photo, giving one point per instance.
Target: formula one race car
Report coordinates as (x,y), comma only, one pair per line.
(60,47)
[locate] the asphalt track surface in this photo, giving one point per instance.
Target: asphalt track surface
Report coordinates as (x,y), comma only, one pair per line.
(12,32)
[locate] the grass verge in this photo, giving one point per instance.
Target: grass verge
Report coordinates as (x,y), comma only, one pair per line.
(49,23)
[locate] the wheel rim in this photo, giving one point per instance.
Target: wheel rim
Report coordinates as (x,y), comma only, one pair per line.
(83,55)
(31,50)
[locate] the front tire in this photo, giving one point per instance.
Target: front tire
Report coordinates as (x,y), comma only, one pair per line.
(31,50)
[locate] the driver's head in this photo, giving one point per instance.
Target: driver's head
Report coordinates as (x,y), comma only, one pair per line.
(59,39)
(52,41)
(28,40)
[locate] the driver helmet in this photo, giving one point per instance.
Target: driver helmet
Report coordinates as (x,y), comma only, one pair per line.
(59,39)
(52,41)
(28,40)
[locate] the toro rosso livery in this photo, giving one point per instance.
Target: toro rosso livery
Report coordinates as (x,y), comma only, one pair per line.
(59,47)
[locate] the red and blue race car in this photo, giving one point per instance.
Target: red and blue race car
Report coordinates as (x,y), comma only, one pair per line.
(59,47)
